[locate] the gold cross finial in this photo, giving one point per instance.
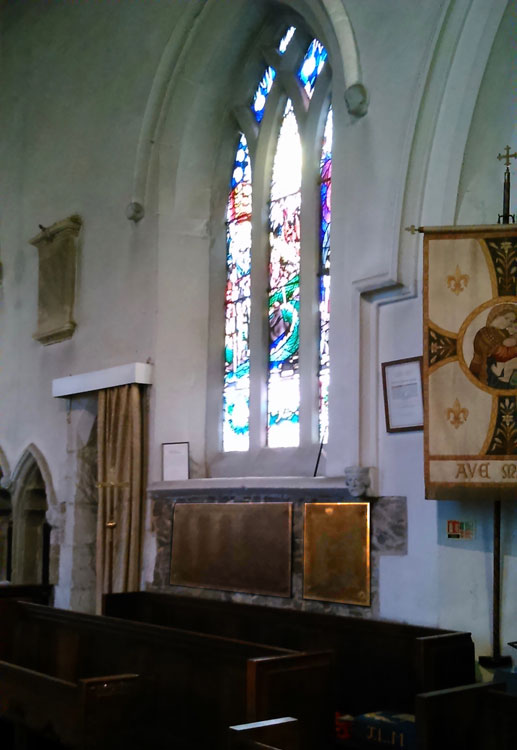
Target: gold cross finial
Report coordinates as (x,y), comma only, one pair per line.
(507,156)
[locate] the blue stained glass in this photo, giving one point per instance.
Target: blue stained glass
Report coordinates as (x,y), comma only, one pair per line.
(324,302)
(259,100)
(284,41)
(236,388)
(258,104)
(312,65)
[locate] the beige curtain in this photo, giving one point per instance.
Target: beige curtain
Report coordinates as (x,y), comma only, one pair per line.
(121,489)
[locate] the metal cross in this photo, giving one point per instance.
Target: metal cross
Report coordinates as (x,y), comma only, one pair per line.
(506,216)
(507,156)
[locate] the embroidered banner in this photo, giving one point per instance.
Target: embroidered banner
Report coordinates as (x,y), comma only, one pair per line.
(470,362)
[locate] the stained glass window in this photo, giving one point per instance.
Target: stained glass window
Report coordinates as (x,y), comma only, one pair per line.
(284,286)
(284,41)
(258,104)
(236,391)
(288,385)
(259,100)
(324,301)
(312,65)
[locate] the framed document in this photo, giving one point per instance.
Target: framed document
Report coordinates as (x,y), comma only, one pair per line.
(175,461)
(403,401)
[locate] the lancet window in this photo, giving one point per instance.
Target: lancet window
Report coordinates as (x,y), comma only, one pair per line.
(282,380)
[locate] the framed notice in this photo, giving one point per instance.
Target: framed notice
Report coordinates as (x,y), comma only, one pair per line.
(403,400)
(175,461)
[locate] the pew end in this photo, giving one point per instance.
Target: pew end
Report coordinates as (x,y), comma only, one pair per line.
(275,734)
(478,716)
(298,684)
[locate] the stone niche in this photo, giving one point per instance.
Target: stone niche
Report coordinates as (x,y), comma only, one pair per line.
(57,254)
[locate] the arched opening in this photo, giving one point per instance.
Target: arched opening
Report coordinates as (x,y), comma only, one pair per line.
(6,535)
(31,536)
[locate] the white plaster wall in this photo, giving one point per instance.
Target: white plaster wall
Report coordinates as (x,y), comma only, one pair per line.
(465,569)
(447,582)
(74,79)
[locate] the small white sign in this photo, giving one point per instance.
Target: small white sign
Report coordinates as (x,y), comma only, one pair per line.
(175,461)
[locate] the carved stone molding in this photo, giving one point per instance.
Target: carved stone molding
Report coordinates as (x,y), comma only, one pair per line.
(57,251)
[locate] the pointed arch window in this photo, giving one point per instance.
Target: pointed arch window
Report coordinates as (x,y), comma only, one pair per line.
(275,391)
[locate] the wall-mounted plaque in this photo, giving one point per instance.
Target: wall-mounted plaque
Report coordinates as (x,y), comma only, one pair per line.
(242,547)
(57,251)
(336,564)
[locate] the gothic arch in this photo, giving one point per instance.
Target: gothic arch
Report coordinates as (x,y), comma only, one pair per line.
(4,465)
(5,519)
(32,455)
(330,21)
(443,120)
(35,519)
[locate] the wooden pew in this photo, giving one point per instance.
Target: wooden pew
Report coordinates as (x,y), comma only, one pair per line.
(190,688)
(480,716)
(275,734)
(39,593)
(40,692)
(380,665)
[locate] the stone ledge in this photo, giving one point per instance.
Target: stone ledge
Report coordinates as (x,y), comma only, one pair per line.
(219,485)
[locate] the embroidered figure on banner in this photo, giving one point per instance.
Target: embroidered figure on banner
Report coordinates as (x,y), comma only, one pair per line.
(494,361)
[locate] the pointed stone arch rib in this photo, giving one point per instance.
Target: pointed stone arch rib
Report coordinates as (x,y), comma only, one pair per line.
(171,65)
(30,457)
(36,521)
(4,467)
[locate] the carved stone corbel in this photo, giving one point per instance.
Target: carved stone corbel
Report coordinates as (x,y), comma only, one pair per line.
(357,480)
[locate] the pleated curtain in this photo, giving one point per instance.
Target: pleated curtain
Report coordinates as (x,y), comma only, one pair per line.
(121,489)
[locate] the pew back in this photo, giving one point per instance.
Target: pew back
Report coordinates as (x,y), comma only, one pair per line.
(40,593)
(379,664)
(196,684)
(472,717)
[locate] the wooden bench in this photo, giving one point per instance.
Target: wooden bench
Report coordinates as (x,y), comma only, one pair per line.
(275,734)
(473,717)
(39,593)
(172,686)
(379,664)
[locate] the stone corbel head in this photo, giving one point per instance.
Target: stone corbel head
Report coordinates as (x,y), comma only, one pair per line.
(357,480)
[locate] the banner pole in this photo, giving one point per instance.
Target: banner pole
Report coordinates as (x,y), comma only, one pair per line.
(496,660)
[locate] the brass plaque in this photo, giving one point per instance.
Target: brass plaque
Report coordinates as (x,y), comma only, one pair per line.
(336,566)
(242,547)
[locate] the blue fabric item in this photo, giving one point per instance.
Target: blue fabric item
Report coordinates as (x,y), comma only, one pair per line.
(385,729)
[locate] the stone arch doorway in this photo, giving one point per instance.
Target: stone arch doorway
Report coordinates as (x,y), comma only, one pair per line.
(33,554)
(6,533)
